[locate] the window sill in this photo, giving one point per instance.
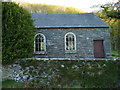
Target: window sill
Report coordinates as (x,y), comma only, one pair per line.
(41,52)
(70,51)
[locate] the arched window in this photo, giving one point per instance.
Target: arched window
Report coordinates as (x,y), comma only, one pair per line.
(70,41)
(39,43)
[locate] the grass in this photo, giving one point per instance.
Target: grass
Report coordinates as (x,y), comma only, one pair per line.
(12,84)
(115,53)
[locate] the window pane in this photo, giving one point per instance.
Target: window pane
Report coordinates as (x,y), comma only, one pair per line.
(70,42)
(39,41)
(66,43)
(36,46)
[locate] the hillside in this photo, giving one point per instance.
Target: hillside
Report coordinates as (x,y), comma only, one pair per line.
(44,8)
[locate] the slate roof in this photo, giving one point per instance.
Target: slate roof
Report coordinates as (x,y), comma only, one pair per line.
(47,20)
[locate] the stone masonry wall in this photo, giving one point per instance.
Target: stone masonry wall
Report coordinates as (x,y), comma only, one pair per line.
(57,73)
(55,43)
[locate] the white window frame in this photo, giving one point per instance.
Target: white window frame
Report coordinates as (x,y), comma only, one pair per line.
(44,43)
(74,41)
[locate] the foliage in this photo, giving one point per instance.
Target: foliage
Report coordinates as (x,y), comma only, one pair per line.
(81,74)
(17,33)
(111,15)
(112,10)
(0,33)
(115,36)
(115,53)
(44,8)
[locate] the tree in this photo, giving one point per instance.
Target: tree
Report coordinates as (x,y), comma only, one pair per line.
(17,33)
(112,11)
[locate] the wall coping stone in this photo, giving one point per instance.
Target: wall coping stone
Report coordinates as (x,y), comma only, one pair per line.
(86,59)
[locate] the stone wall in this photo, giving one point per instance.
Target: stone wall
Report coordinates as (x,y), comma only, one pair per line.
(55,43)
(28,71)
(50,73)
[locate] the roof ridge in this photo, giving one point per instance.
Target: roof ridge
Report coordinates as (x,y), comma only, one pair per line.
(62,13)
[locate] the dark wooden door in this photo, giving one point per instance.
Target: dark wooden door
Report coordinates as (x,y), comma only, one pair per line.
(99,49)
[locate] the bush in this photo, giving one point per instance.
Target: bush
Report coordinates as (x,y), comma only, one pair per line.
(17,33)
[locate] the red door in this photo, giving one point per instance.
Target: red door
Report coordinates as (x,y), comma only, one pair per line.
(99,49)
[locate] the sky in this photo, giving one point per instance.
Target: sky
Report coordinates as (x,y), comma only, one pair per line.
(84,5)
